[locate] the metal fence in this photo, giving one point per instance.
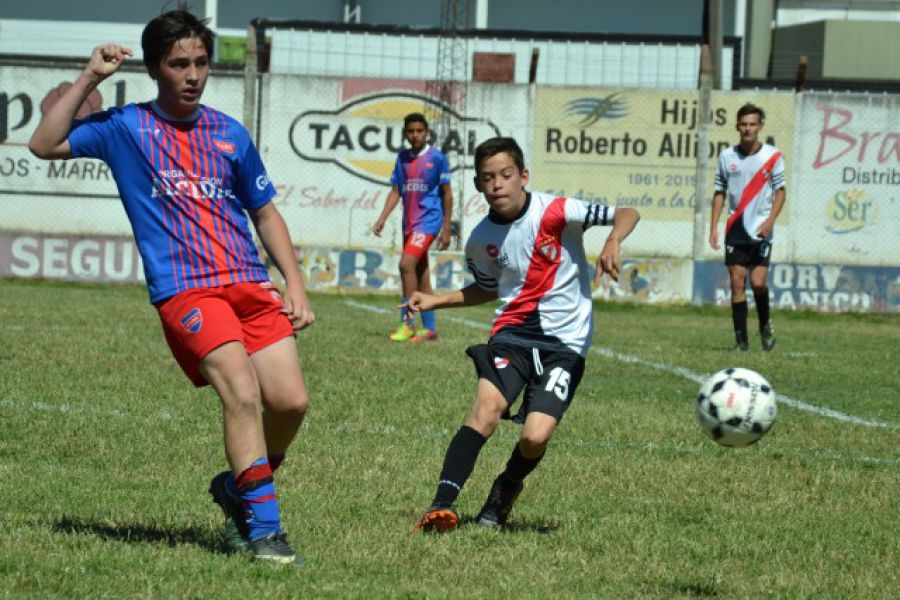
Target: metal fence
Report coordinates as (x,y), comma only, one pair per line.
(329,145)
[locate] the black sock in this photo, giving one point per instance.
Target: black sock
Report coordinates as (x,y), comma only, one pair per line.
(739,318)
(762,307)
(518,467)
(458,464)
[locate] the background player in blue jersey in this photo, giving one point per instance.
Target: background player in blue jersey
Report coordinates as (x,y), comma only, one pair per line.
(421,178)
(188,177)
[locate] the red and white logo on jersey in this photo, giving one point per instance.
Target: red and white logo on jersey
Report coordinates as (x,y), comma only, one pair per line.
(500,362)
(492,250)
(549,247)
(224,146)
(732,168)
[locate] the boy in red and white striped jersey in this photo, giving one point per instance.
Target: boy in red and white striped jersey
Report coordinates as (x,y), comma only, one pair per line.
(752,176)
(528,252)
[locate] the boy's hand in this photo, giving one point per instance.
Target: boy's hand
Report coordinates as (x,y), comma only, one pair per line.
(105,60)
(609,261)
(765,230)
(714,239)
(444,239)
(418,302)
(378,227)
(298,309)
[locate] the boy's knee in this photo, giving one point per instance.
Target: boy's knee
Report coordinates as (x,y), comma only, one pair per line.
(242,396)
(535,442)
(408,264)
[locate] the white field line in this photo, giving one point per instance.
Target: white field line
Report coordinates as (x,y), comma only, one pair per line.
(680,371)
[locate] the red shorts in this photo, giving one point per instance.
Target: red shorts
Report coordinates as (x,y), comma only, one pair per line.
(417,243)
(198,321)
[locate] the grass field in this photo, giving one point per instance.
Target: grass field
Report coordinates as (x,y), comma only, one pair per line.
(106,452)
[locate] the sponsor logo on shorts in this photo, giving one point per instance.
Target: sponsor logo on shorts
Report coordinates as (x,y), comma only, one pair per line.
(500,362)
(224,146)
(193,321)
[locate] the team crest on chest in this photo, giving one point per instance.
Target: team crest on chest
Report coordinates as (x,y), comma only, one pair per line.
(549,247)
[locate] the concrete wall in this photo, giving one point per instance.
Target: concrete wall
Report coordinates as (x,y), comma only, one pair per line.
(862,50)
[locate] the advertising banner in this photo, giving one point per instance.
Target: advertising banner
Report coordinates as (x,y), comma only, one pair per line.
(71,196)
(849,178)
(330,145)
(639,148)
(810,287)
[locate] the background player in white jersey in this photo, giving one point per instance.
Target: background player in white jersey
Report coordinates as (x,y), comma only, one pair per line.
(528,252)
(751,174)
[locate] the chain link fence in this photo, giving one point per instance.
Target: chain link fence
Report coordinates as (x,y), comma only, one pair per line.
(329,144)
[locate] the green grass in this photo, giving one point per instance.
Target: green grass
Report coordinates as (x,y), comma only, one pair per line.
(106,452)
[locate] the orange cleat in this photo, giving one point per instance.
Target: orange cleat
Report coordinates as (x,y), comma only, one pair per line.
(424,335)
(437,519)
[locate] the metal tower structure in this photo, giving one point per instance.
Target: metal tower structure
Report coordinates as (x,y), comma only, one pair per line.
(449,87)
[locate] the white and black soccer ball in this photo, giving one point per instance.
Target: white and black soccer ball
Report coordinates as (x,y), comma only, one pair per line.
(736,407)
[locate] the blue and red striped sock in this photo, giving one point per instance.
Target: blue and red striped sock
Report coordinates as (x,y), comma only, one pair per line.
(429,320)
(256,489)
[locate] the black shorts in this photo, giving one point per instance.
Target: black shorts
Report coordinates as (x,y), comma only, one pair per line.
(549,377)
(752,254)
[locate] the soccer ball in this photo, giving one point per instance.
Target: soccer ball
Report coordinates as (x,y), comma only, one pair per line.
(736,407)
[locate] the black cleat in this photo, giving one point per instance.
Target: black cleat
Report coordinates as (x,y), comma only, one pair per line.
(274,548)
(767,333)
(741,344)
(236,532)
(499,502)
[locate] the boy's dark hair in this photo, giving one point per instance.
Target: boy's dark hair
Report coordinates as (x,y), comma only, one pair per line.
(414,118)
(493,146)
(163,31)
(750,109)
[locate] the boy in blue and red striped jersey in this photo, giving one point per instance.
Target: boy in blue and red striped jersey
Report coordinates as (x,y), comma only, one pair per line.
(421,177)
(751,174)
(189,176)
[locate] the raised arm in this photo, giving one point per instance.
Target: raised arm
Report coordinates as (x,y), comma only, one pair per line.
(50,139)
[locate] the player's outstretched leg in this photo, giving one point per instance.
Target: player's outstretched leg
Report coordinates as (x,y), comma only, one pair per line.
(458,464)
(500,501)
(438,519)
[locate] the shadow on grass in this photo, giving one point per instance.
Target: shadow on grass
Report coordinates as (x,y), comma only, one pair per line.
(517,526)
(143,534)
